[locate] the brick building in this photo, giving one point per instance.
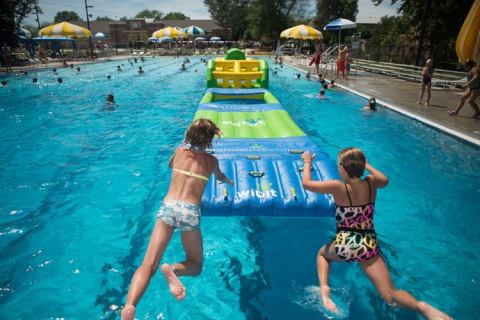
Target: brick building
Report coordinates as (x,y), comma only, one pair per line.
(123,34)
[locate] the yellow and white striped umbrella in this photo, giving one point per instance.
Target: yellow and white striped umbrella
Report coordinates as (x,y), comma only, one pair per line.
(302,32)
(65,29)
(169,32)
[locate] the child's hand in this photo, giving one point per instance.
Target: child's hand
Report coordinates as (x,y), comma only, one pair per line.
(307,156)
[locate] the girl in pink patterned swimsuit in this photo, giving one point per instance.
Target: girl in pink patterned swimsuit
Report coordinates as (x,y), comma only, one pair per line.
(356,239)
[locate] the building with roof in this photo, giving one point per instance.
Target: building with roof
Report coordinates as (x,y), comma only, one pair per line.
(128,33)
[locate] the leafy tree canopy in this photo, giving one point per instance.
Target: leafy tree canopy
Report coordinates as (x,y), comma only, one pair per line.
(175,15)
(229,14)
(12,15)
(66,16)
(155,14)
(104,18)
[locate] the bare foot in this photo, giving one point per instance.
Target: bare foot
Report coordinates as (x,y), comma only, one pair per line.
(128,312)
(327,302)
(426,104)
(419,102)
(430,312)
(175,285)
(452,113)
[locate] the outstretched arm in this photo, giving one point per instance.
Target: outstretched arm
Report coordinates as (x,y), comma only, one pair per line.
(326,187)
(379,179)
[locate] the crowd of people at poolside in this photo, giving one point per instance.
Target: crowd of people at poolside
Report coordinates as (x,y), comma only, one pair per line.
(344,62)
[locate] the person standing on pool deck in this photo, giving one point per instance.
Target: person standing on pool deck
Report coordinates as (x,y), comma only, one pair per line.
(473,90)
(316,58)
(342,53)
(427,74)
(356,239)
(191,166)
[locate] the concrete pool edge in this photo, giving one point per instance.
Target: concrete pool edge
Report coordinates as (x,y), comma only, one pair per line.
(398,109)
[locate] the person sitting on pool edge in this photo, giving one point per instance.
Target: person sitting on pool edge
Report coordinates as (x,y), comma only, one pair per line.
(331,85)
(191,166)
(356,239)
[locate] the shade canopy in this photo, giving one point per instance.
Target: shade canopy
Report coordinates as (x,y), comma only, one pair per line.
(340,24)
(215,39)
(302,32)
(200,39)
(99,35)
(53,38)
(65,29)
(194,31)
(169,32)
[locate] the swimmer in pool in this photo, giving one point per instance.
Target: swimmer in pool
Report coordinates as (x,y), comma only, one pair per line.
(140,70)
(331,85)
(371,106)
(192,167)
(34,80)
(356,238)
(60,80)
(4,83)
(109,77)
(119,69)
(78,69)
(321,94)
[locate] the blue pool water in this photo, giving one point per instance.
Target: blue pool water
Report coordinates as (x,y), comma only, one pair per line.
(80,184)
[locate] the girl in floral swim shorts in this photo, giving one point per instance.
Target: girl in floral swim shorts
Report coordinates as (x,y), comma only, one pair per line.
(191,166)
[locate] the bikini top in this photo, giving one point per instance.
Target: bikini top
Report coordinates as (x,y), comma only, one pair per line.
(191,174)
(356,218)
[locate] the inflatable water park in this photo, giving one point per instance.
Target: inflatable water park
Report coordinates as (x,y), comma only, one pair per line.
(260,146)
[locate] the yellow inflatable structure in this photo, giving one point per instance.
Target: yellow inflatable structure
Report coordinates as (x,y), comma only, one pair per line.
(468,40)
(234,71)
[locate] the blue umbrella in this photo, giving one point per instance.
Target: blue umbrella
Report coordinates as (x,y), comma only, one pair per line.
(340,24)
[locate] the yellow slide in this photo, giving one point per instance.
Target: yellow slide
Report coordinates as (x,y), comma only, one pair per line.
(468,40)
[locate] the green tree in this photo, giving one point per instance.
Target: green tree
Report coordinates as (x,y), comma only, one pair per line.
(104,18)
(328,10)
(175,15)
(12,14)
(155,14)
(435,24)
(66,16)
(229,14)
(268,18)
(124,18)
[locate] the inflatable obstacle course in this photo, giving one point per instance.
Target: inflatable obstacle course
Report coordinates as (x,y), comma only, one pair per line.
(234,71)
(259,150)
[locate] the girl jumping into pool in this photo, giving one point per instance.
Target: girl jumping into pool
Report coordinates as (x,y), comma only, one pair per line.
(356,239)
(191,166)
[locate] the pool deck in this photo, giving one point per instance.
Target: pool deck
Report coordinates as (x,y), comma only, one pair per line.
(403,95)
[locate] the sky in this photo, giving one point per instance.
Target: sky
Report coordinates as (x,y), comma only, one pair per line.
(195,9)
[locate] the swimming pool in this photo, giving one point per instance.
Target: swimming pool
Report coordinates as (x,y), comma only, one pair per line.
(80,185)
